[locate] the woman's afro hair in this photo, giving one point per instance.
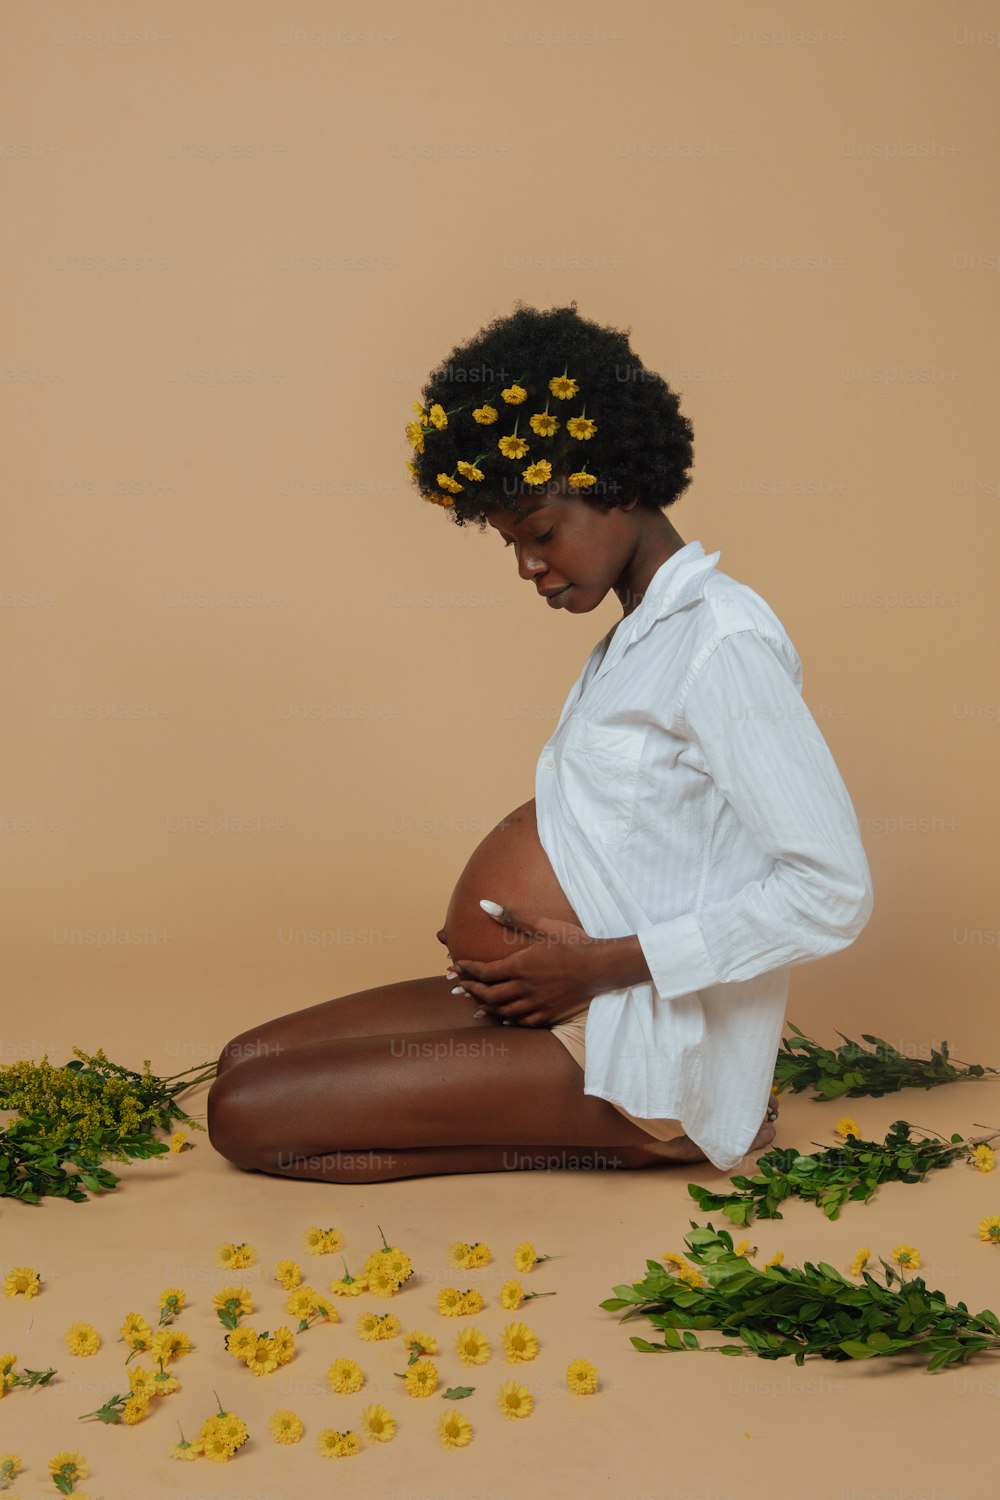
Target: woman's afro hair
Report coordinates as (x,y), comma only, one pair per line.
(642,446)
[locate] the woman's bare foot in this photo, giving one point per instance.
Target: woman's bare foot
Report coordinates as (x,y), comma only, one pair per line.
(683,1149)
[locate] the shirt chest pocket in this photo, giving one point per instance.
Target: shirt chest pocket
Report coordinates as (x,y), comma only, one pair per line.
(600,775)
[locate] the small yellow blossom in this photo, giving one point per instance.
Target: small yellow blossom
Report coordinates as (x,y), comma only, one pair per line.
(537,473)
(511,1295)
(860,1260)
(71,1464)
(322,1241)
(846,1127)
(82,1339)
(983,1156)
(377,1424)
(472,1347)
(581,1377)
(346,1376)
(236,1257)
(288,1273)
(284,1344)
(238,1296)
(421,1379)
(184,1449)
(242,1342)
(349,1286)
(514,1399)
(472,1301)
(333,1444)
(449,1301)
(511,447)
(520,1342)
(514,394)
(23,1280)
(525,1257)
(775,1260)
(135,1408)
(469,471)
(135,1331)
(164,1383)
(420,1343)
(454,1429)
(906,1256)
(140,1381)
(741,1247)
(172,1300)
(10,1466)
(177,1140)
(563,387)
(263,1358)
(485,414)
(170,1344)
(438,415)
(285,1426)
(458,1253)
(989,1229)
(301,1302)
(543,423)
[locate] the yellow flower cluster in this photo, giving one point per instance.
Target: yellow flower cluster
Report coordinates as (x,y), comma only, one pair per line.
(97,1105)
(166,1345)
(323,1241)
(455,1304)
(236,1257)
(681,1269)
(512,446)
(261,1352)
(466,1257)
(306,1304)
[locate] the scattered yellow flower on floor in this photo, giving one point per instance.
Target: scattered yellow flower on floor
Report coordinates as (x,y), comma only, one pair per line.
(242,1342)
(284,1343)
(472,1347)
(82,1339)
(301,1302)
(172,1300)
(238,1295)
(377,1424)
(860,1260)
(136,1331)
(581,1377)
(288,1273)
(845,1127)
(372,1325)
(263,1358)
(140,1380)
(338,1444)
(322,1241)
(185,1450)
(164,1384)
(989,1229)
(520,1342)
(454,1429)
(10,1466)
(23,1280)
(458,1254)
(391,1264)
(70,1464)
(472,1301)
(421,1343)
(479,1255)
(449,1302)
(381,1282)
(349,1286)
(421,1379)
(177,1140)
(236,1257)
(741,1247)
(983,1156)
(514,1399)
(346,1376)
(285,1426)
(524,1256)
(511,1295)
(172,1343)
(775,1260)
(135,1408)
(906,1256)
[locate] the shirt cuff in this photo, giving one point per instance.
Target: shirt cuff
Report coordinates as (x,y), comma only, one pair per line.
(676,956)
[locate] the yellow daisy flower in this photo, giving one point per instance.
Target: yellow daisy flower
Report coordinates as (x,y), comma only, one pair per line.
(469,471)
(511,1295)
(906,1256)
(415,434)
(543,423)
(473,1348)
(860,1260)
(263,1358)
(472,1301)
(520,1342)
(845,1127)
(136,1331)
(512,447)
(420,1343)
(23,1280)
(479,1255)
(458,1254)
(581,1377)
(172,1300)
(70,1463)
(537,473)
(333,1444)
(581,480)
(674,1263)
(485,414)
(438,415)
(285,1426)
(524,1256)
(238,1295)
(563,387)
(135,1408)
(381,1282)
(514,394)
(82,1339)
(177,1140)
(325,1309)
(421,1379)
(349,1288)
(288,1273)
(284,1344)
(775,1260)
(322,1241)
(242,1342)
(231,1428)
(451,485)
(691,1275)
(170,1344)
(301,1302)
(454,1429)
(236,1257)
(741,1247)
(449,1302)
(184,1449)
(581,427)
(346,1376)
(983,1156)
(377,1425)
(989,1229)
(10,1466)
(514,1399)
(140,1381)
(216,1446)
(164,1384)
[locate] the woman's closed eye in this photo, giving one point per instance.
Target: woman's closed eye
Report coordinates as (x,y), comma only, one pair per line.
(544,538)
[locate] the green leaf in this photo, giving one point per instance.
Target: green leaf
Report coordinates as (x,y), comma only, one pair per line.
(457,1392)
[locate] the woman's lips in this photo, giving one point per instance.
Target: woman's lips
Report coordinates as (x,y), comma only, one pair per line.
(558,598)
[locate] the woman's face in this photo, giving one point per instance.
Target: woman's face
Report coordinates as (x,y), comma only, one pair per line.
(574,545)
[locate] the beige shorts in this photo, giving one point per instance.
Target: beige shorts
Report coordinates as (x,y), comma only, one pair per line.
(572,1033)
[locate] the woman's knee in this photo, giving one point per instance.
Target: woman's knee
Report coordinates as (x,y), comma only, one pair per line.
(229,1117)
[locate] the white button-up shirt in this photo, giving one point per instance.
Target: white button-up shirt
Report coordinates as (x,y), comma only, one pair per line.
(687,795)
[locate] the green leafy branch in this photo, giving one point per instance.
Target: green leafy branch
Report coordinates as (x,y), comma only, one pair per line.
(854,1070)
(786,1310)
(831,1177)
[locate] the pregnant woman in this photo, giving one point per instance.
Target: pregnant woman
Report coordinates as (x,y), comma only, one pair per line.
(618,1000)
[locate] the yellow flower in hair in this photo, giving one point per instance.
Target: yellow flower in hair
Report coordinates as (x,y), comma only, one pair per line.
(441,499)
(512,447)
(582,481)
(537,473)
(415,434)
(560,386)
(469,470)
(515,394)
(485,414)
(581,427)
(438,415)
(449,484)
(544,424)
(420,410)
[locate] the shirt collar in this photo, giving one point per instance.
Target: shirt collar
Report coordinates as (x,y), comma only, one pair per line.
(675,584)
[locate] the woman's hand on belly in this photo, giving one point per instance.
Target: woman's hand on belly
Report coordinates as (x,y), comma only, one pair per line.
(541,983)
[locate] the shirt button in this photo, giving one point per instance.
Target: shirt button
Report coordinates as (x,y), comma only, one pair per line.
(550,765)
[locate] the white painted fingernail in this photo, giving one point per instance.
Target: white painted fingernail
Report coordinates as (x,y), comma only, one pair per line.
(480,1012)
(491,908)
(458,990)
(451,973)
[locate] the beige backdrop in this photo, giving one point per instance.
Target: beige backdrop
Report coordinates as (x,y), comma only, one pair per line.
(263,701)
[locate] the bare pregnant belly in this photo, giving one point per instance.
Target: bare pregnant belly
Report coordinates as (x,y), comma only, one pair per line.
(509,867)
